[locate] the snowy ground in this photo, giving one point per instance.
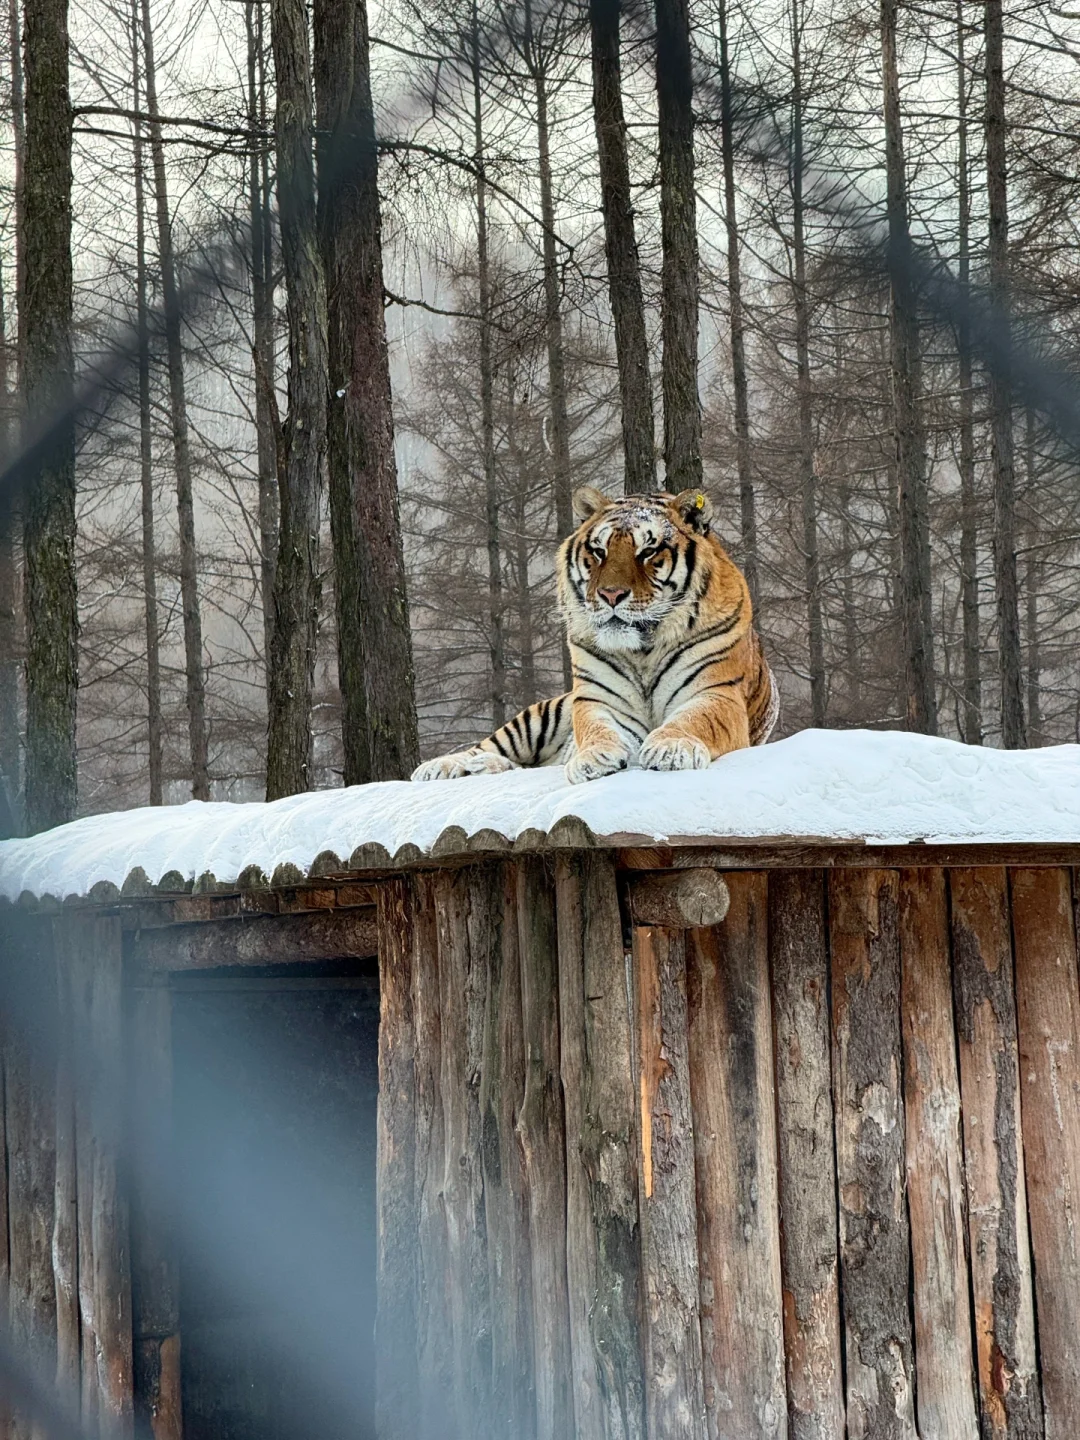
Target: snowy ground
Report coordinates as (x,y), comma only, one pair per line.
(881,787)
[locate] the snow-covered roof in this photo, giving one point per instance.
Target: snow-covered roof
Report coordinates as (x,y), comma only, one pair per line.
(877,787)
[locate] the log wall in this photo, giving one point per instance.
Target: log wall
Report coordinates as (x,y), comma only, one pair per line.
(809,1173)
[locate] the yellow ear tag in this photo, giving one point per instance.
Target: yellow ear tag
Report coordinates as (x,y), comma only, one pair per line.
(699,501)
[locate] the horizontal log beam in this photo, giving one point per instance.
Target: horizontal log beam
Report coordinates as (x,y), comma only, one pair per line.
(261,940)
(777,853)
(680,900)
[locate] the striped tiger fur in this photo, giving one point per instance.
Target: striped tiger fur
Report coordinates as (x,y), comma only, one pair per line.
(669,673)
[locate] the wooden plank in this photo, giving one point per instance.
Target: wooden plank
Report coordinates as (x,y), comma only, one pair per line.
(258,940)
(775,852)
(1010,1398)
(799,966)
(875,1272)
(397,1391)
(65,1253)
(945,1369)
(1048,1015)
(603,1232)
(734,1118)
(158,1410)
(675,1402)
(467,932)
(506,1199)
(542,1128)
(434,1341)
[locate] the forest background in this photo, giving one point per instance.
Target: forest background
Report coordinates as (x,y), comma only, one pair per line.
(390,292)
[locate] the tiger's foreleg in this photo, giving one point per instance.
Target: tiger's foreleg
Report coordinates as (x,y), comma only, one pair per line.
(601,745)
(697,734)
(536,736)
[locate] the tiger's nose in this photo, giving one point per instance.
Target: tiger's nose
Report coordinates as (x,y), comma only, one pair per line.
(613,597)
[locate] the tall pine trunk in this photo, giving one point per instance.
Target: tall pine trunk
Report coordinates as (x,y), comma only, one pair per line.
(375,664)
(296,581)
(146,456)
(807,473)
(45,307)
(1031,586)
(969,531)
(620,246)
(1013,734)
(737,320)
(262,318)
(678,227)
(920,700)
(185,501)
(9,663)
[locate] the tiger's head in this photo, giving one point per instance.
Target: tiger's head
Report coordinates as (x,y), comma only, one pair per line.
(630,563)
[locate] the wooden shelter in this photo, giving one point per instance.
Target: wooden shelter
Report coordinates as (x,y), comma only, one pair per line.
(743,1139)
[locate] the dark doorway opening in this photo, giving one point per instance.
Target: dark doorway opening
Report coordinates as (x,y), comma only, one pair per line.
(275,1090)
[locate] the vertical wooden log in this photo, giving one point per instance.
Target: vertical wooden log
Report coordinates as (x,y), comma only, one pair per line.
(944,1364)
(155,1313)
(5,1272)
(675,1402)
(31,1128)
(874,1241)
(1010,1400)
(397,1394)
(731,1083)
(603,1257)
(80,979)
(65,1254)
(465,903)
(799,966)
(1048,1014)
(506,1203)
(543,1137)
(433,1342)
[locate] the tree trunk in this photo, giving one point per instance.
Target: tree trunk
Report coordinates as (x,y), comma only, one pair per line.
(146,455)
(678,225)
(807,472)
(262,318)
(620,247)
(914,579)
(1031,589)
(9,664)
(526,629)
(375,665)
(496,638)
(47,383)
(1013,735)
(296,583)
(969,534)
(185,504)
(740,387)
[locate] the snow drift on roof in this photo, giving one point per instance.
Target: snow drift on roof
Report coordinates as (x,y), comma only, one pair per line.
(884,787)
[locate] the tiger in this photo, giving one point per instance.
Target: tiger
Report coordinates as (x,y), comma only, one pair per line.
(668,671)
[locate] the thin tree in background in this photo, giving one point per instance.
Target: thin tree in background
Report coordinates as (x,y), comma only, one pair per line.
(971,727)
(146,454)
(45,317)
(178,416)
(291,675)
(375,665)
(678,225)
(9,664)
(736,318)
(267,434)
(920,699)
(1013,733)
(620,247)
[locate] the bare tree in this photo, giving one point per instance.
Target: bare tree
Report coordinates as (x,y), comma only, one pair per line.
(969,538)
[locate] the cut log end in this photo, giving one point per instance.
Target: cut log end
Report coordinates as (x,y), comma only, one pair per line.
(683,900)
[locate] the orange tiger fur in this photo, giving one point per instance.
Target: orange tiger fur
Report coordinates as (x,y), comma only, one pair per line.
(669,672)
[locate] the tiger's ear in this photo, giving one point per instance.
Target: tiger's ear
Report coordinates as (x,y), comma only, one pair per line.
(695,509)
(589,502)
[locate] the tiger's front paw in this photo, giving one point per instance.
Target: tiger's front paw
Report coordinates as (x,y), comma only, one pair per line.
(661,752)
(462,762)
(596,761)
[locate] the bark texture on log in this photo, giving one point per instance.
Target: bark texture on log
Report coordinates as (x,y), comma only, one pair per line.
(731,1084)
(603,1228)
(1010,1403)
(685,900)
(935,1172)
(397,1379)
(799,967)
(675,1402)
(867,1069)
(1048,1015)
